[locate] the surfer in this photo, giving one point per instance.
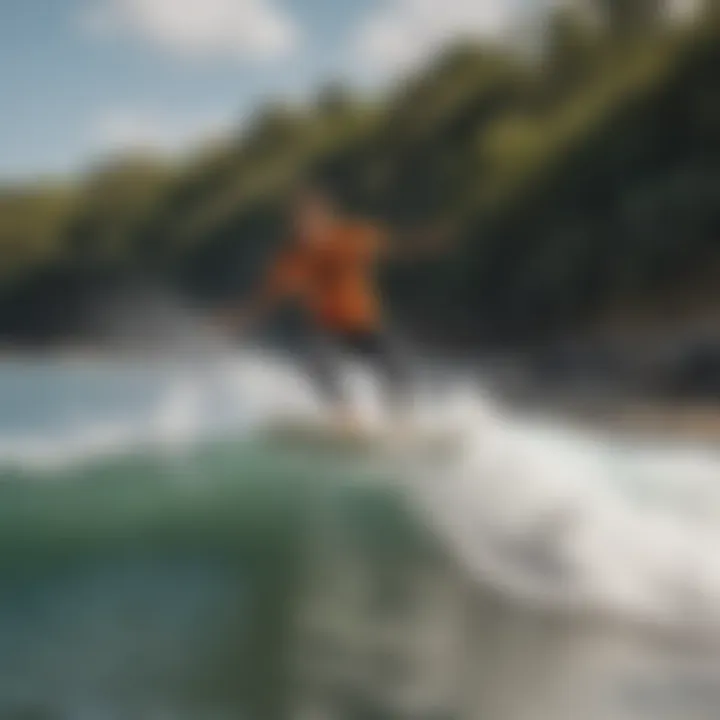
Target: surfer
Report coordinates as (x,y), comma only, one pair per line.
(328,268)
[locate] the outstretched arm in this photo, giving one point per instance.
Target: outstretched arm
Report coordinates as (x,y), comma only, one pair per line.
(420,243)
(282,281)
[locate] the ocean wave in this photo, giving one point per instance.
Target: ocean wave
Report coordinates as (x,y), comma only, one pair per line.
(590,523)
(541,512)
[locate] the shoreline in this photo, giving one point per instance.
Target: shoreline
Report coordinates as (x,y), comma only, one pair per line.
(648,416)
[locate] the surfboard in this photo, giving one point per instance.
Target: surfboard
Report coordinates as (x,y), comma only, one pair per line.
(321,434)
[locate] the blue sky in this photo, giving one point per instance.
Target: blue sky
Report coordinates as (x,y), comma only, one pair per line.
(80,78)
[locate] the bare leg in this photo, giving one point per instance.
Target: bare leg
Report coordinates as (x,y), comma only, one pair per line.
(392,369)
(323,364)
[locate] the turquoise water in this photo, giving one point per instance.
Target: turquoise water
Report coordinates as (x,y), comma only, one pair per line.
(141,582)
(155,580)
(163,558)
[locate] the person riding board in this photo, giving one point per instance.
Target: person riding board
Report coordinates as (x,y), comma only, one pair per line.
(328,268)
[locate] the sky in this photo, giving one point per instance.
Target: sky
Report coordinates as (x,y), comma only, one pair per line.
(83,78)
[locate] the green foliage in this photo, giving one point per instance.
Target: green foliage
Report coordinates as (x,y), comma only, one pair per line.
(32,228)
(118,200)
(579,183)
(627,18)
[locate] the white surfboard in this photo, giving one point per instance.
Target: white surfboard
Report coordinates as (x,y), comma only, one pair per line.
(324,434)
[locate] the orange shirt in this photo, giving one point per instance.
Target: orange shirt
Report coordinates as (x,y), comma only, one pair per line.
(333,277)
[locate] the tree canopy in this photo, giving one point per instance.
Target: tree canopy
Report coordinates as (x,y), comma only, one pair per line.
(579,183)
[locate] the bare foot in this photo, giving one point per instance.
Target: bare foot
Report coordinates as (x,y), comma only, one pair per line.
(347,420)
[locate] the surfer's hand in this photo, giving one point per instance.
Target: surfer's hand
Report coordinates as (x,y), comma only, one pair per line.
(432,241)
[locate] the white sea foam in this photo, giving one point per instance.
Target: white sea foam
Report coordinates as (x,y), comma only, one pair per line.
(75,411)
(592,523)
(539,511)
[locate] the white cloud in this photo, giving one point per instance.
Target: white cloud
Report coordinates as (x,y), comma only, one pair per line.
(235,29)
(402,33)
(118,131)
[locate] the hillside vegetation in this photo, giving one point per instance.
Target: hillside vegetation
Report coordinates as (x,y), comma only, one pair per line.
(582,187)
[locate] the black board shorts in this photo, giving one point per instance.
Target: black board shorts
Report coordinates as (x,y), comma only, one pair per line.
(375,348)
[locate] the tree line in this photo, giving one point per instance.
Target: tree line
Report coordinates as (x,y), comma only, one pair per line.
(581,180)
